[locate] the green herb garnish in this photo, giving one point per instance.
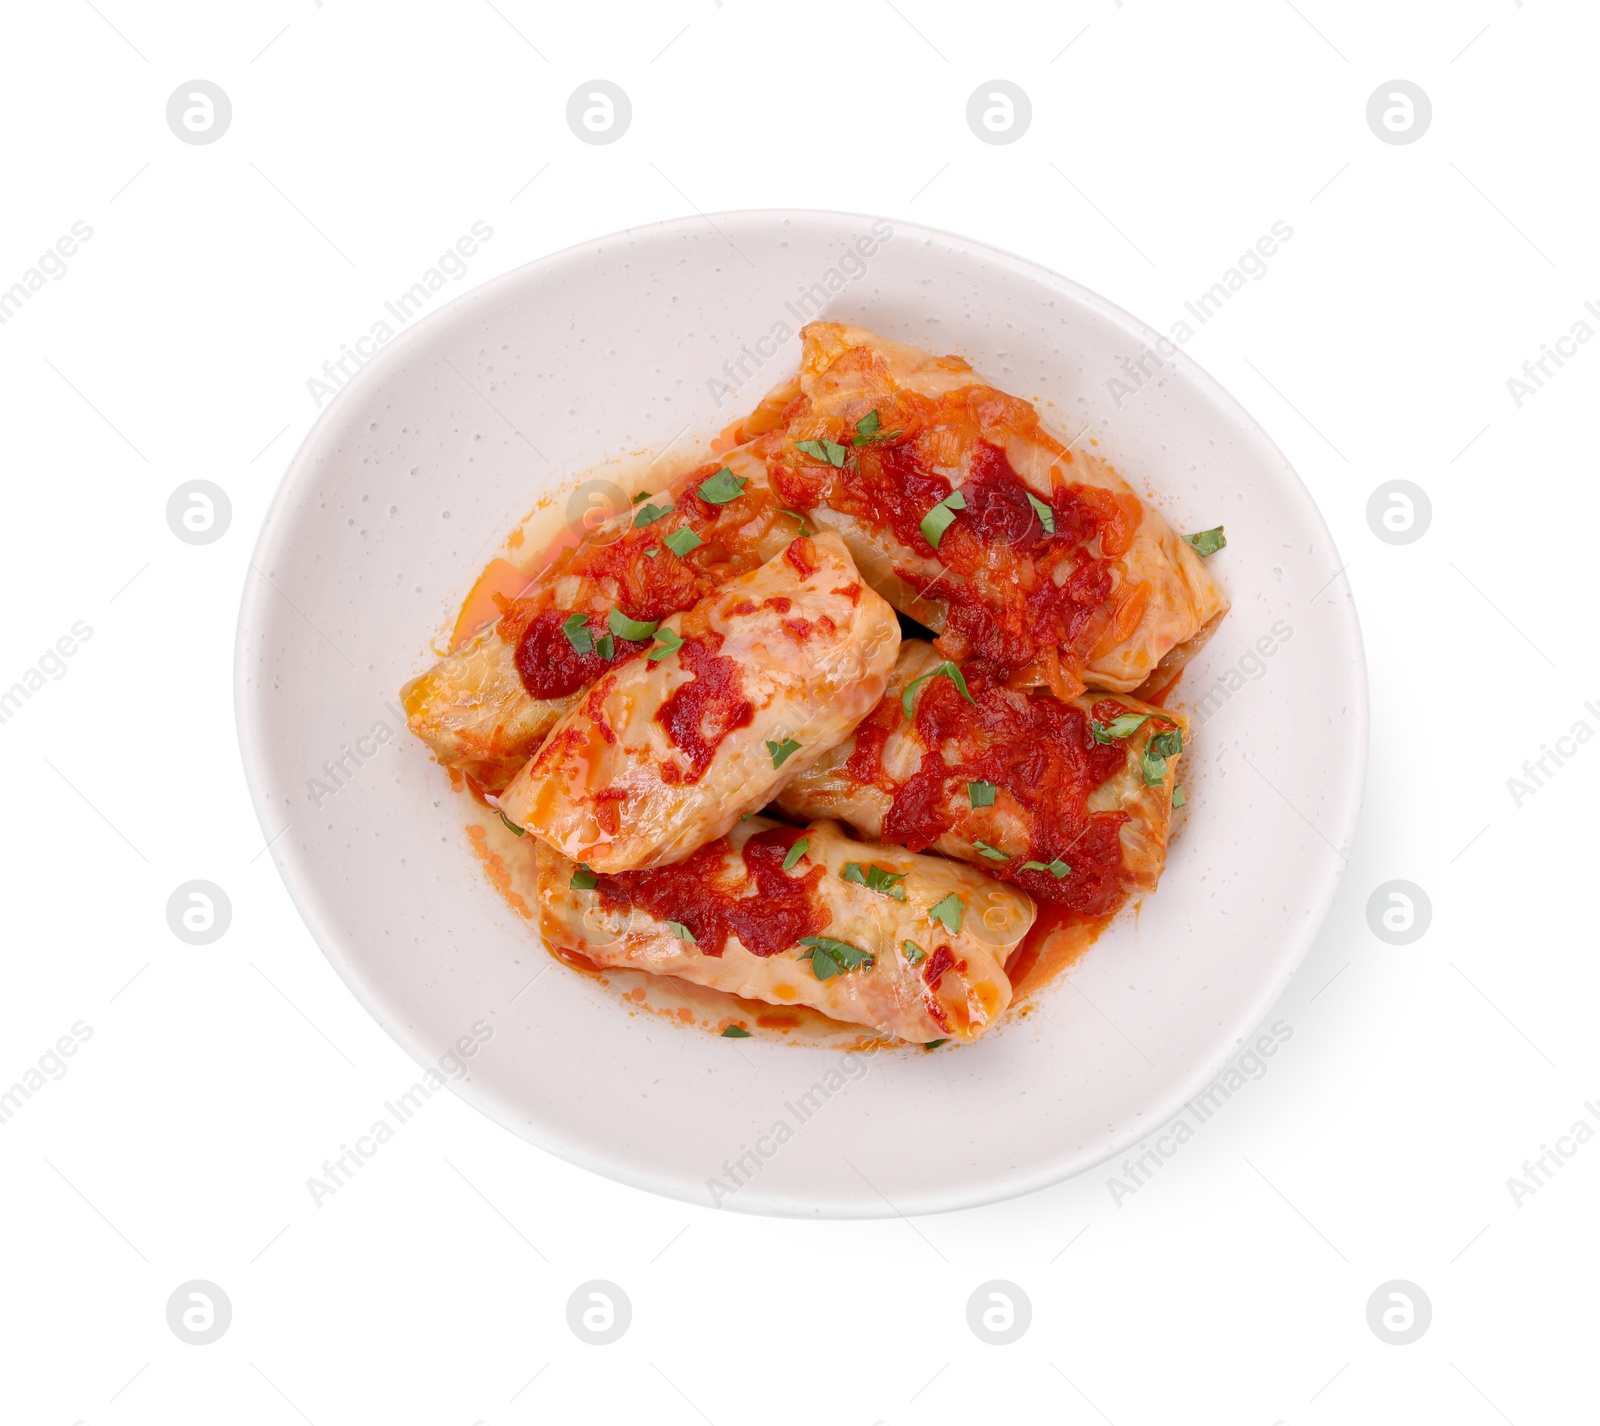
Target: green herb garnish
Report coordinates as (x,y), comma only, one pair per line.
(948,670)
(798,850)
(606,647)
(722,487)
(948,912)
(682,932)
(939,519)
(993,853)
(1206,542)
(867,430)
(669,643)
(804,528)
(913,953)
(830,958)
(635,629)
(1057,868)
(584,879)
(980,794)
(1179,797)
(681,541)
(828,452)
(780,751)
(1124,725)
(641,495)
(875,878)
(649,515)
(578,633)
(1164,745)
(934,1044)
(509,823)
(1047,516)
(736,1032)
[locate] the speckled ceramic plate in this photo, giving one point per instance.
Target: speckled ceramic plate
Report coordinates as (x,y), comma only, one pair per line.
(633,343)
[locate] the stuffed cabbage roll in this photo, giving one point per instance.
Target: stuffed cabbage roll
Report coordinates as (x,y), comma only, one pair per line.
(486,707)
(913,946)
(739,695)
(972,517)
(1069,800)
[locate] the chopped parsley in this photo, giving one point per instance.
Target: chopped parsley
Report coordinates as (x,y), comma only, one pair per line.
(1124,725)
(669,643)
(875,878)
(913,953)
(798,850)
(578,634)
(934,1044)
(867,430)
(1166,744)
(1179,797)
(641,495)
(652,552)
(584,879)
(830,958)
(1057,868)
(1047,516)
(948,913)
(780,751)
(722,487)
(736,1032)
(804,528)
(625,628)
(681,541)
(512,826)
(948,670)
(649,515)
(682,932)
(1206,542)
(940,518)
(980,794)
(828,452)
(606,647)
(993,853)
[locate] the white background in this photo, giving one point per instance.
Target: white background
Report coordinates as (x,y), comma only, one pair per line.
(1166,138)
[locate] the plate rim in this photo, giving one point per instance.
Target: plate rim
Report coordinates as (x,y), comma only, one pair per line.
(251,723)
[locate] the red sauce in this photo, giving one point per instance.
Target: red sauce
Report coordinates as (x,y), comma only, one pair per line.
(767,908)
(646,587)
(939,962)
(802,554)
(1054,943)
(999,584)
(865,763)
(1036,748)
(802,629)
(550,667)
(700,713)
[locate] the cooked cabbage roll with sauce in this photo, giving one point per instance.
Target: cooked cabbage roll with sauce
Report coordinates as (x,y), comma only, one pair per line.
(742,693)
(913,946)
(485,708)
(968,514)
(1069,800)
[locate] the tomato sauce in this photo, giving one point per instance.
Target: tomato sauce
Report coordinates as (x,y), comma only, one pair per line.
(701,712)
(1014,590)
(550,667)
(1037,749)
(767,908)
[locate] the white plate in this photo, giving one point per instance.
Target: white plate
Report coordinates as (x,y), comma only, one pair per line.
(417,470)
